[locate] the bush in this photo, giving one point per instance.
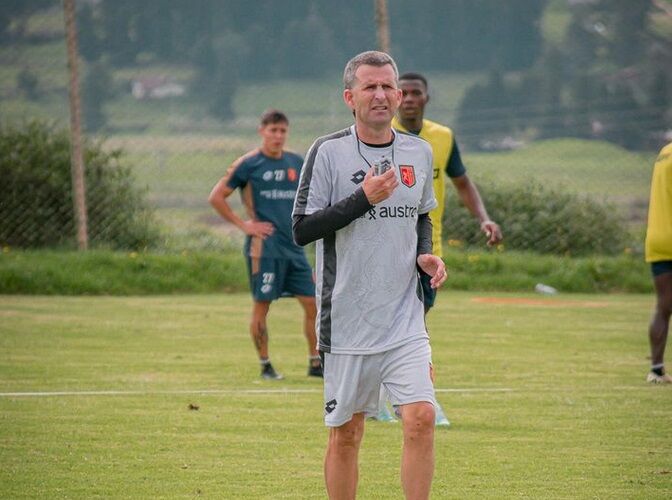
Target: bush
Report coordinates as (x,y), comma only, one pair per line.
(97,88)
(104,272)
(543,220)
(36,205)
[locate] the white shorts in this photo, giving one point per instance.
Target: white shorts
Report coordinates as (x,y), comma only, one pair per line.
(352,382)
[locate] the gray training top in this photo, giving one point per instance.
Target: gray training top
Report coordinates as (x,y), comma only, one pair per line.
(368,292)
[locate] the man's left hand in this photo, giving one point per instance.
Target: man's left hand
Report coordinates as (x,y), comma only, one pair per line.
(433,266)
(492,231)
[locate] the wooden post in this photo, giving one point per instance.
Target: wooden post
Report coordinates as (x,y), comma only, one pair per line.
(76,158)
(382,26)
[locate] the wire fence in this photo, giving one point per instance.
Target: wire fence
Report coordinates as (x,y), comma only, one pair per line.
(548,194)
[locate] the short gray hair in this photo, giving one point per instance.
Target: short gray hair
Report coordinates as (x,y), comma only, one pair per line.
(370,58)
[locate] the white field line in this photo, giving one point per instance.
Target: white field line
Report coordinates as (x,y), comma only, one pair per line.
(211,391)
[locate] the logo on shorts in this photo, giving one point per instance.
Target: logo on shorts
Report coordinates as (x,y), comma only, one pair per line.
(267,280)
(407,173)
(330,406)
(358,176)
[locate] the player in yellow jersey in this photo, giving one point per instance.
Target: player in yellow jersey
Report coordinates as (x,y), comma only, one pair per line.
(447,160)
(658,249)
(447,163)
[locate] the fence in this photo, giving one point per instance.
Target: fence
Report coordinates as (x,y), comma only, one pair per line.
(177,147)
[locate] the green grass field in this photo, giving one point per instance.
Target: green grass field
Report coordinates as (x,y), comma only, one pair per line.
(546,396)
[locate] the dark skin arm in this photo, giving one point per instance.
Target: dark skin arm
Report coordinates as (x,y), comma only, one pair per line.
(472,200)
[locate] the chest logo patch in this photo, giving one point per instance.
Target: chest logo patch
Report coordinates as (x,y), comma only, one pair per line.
(291,175)
(358,176)
(407,175)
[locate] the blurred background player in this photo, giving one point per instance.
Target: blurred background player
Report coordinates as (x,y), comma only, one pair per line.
(267,178)
(658,249)
(447,163)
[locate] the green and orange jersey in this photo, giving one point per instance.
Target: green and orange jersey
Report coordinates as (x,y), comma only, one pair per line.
(658,246)
(268,186)
(446,160)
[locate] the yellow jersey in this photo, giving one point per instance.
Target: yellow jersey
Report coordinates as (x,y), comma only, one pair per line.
(441,140)
(658,244)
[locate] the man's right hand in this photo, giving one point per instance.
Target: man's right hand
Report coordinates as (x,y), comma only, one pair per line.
(379,187)
(258,228)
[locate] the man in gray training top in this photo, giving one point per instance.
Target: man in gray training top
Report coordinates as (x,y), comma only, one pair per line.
(364,195)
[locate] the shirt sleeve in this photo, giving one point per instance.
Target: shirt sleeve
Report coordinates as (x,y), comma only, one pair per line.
(320,224)
(314,217)
(428,200)
(455,167)
(314,192)
(237,175)
(424,229)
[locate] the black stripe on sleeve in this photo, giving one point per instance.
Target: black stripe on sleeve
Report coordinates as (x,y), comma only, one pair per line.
(424,229)
(313,227)
(328,282)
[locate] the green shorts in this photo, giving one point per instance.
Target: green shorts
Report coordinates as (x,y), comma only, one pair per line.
(271,279)
(428,293)
(661,267)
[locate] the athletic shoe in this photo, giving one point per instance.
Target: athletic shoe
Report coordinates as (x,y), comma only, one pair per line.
(269,373)
(315,371)
(440,419)
(383,415)
(654,378)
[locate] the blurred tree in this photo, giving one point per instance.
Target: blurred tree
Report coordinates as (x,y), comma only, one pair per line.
(524,101)
(97,88)
(472,113)
(12,11)
(309,37)
(307,47)
(660,98)
(219,72)
(619,111)
(87,37)
(466,34)
(484,115)
(581,42)
(581,114)
(552,117)
(118,19)
(628,29)
(599,82)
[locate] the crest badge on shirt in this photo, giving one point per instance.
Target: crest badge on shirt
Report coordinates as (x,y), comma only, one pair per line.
(407,174)
(292,175)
